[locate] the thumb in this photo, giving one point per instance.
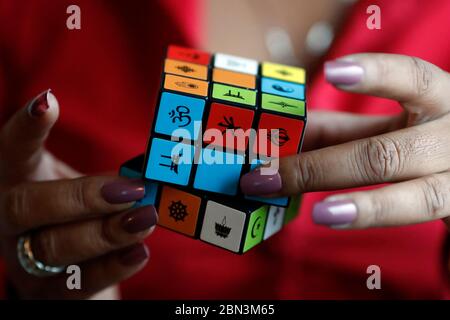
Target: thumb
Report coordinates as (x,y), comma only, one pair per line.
(22,138)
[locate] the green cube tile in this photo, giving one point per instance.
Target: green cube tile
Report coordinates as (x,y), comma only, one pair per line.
(283,105)
(255,229)
(234,94)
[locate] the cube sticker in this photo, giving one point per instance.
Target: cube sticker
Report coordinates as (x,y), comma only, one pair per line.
(275,219)
(283,88)
(234,94)
(232,123)
(188,55)
(178,112)
(286,139)
(223,226)
(186,69)
(237,64)
(170,161)
(218,171)
(186,85)
(255,229)
(283,105)
(234,78)
(283,72)
(179,210)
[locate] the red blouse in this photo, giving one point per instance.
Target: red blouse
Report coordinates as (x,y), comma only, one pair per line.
(106,76)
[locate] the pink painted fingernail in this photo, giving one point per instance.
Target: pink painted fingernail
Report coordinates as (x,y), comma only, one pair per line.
(334,213)
(40,104)
(123,190)
(340,72)
(258,182)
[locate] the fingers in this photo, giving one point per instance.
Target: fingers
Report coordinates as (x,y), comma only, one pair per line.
(73,243)
(396,156)
(23,136)
(103,272)
(421,87)
(32,205)
(331,128)
(411,202)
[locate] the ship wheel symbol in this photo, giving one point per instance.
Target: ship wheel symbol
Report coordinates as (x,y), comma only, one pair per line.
(177,210)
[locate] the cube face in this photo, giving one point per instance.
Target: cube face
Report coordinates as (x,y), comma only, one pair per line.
(179,210)
(218,104)
(177,111)
(237,226)
(224,118)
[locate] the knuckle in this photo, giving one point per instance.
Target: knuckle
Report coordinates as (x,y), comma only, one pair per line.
(380,159)
(379,211)
(435,195)
(15,209)
(307,174)
(84,191)
(108,235)
(44,248)
(421,75)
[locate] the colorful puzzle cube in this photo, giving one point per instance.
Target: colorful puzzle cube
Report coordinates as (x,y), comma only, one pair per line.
(219,116)
(219,220)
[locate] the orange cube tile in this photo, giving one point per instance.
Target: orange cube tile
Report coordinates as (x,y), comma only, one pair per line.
(186,69)
(179,210)
(234,78)
(186,85)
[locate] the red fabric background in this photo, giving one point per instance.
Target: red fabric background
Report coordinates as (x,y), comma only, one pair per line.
(106,76)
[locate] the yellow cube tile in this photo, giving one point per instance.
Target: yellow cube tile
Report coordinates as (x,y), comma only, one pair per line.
(282,72)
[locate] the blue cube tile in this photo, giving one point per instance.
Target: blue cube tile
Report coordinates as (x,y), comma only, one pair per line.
(218,171)
(170,161)
(282,201)
(179,116)
(283,88)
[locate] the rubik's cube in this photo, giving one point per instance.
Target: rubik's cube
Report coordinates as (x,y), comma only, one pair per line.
(217,118)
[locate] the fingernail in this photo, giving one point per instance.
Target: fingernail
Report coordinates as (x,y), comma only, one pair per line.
(123,190)
(343,72)
(134,255)
(334,213)
(40,104)
(256,183)
(140,219)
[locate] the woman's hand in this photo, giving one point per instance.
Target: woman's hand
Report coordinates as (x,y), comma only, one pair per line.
(87,221)
(411,149)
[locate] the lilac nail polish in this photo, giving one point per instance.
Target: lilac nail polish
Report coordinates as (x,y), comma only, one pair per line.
(343,72)
(123,190)
(140,219)
(134,255)
(334,213)
(40,104)
(256,183)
